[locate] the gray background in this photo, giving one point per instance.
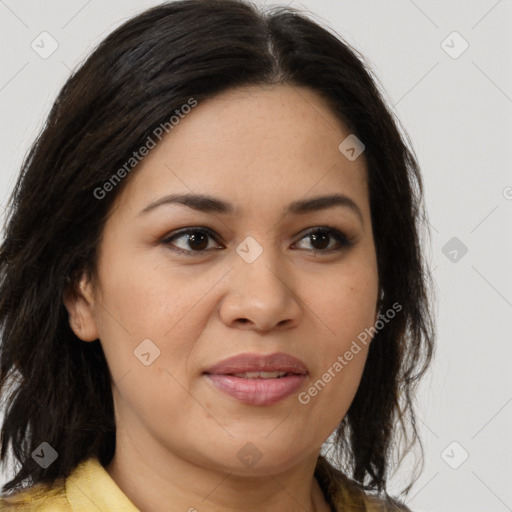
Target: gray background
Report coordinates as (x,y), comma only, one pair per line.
(456,109)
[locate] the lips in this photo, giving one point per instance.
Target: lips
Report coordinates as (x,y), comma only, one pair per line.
(243,363)
(258,380)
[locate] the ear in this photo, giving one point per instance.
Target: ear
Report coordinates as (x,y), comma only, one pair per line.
(79,301)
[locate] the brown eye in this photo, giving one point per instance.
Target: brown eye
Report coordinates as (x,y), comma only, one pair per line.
(320,239)
(191,240)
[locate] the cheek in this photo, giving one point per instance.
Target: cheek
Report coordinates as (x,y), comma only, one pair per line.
(144,302)
(146,299)
(343,309)
(345,302)
(148,330)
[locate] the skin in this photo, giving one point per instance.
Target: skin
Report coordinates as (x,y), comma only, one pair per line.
(178,437)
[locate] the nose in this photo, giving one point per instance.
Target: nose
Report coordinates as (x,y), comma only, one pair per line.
(261,295)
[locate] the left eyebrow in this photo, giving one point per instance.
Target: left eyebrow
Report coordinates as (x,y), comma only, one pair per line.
(208,204)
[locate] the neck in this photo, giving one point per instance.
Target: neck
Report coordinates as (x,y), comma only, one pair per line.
(149,480)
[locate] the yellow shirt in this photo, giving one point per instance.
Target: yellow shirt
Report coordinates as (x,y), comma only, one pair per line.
(90,488)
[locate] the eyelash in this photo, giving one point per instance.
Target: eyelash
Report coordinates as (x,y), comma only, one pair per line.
(343,241)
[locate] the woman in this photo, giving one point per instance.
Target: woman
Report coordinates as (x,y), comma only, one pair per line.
(211,264)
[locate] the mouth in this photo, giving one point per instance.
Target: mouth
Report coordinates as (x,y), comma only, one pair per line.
(261,375)
(265,365)
(258,380)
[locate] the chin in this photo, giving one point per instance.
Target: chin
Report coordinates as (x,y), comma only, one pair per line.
(259,458)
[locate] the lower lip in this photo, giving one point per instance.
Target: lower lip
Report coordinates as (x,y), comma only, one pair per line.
(257,391)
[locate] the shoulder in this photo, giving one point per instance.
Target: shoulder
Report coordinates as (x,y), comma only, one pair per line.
(345,494)
(39,498)
(379,504)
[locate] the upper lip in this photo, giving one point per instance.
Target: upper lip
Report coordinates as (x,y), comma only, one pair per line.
(259,363)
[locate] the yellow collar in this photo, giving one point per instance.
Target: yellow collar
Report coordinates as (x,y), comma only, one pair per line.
(90,485)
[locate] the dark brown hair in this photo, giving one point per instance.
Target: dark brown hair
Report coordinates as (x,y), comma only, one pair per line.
(56,388)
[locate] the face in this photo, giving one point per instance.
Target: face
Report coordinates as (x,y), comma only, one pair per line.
(258,270)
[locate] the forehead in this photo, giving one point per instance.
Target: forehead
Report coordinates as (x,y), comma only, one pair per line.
(256,146)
